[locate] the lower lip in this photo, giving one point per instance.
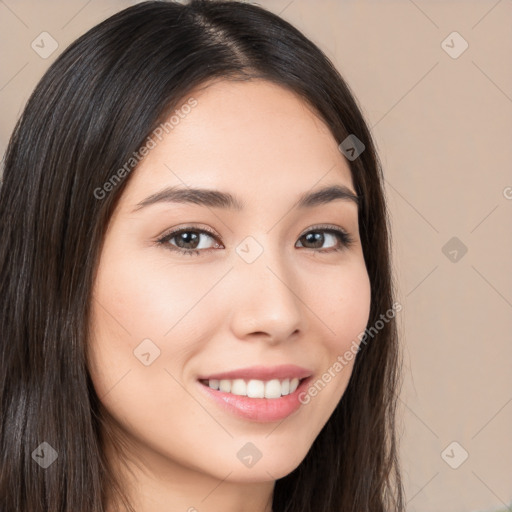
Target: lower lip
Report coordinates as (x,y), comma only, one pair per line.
(258,409)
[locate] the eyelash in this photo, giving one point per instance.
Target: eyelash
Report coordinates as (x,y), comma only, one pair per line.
(344,238)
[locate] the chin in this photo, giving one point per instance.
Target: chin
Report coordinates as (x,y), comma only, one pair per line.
(274,468)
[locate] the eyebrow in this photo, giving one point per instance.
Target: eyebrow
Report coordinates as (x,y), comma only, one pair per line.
(218,199)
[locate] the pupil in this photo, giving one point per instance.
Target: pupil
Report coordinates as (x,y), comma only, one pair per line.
(317,236)
(188,235)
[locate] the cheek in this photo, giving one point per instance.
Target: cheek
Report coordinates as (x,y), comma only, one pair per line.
(353,307)
(147,323)
(144,297)
(136,313)
(341,300)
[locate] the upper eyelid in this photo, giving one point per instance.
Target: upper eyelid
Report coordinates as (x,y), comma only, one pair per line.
(175,231)
(319,227)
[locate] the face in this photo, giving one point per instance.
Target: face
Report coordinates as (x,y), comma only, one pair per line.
(264,286)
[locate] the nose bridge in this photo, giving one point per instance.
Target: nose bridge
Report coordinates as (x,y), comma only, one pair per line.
(267,300)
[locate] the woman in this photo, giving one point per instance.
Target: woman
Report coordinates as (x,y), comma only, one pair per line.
(144,370)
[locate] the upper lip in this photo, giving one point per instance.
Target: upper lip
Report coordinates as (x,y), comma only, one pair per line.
(281,372)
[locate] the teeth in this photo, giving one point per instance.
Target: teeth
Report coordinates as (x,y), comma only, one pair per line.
(255,388)
(238,387)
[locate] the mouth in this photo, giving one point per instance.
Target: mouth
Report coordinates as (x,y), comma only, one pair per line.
(256,400)
(255,388)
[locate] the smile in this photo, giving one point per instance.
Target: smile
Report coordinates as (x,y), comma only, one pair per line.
(260,408)
(254,388)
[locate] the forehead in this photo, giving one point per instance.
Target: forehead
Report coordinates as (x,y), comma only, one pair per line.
(254,138)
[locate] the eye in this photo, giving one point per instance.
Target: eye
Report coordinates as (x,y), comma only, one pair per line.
(187,240)
(317,238)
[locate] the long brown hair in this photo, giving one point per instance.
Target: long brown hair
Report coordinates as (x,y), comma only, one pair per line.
(93,109)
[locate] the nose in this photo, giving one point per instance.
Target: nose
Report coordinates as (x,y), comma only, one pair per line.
(266,300)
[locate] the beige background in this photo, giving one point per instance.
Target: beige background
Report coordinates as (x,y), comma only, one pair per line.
(443,127)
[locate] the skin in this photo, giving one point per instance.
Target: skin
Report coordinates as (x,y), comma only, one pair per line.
(293,304)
